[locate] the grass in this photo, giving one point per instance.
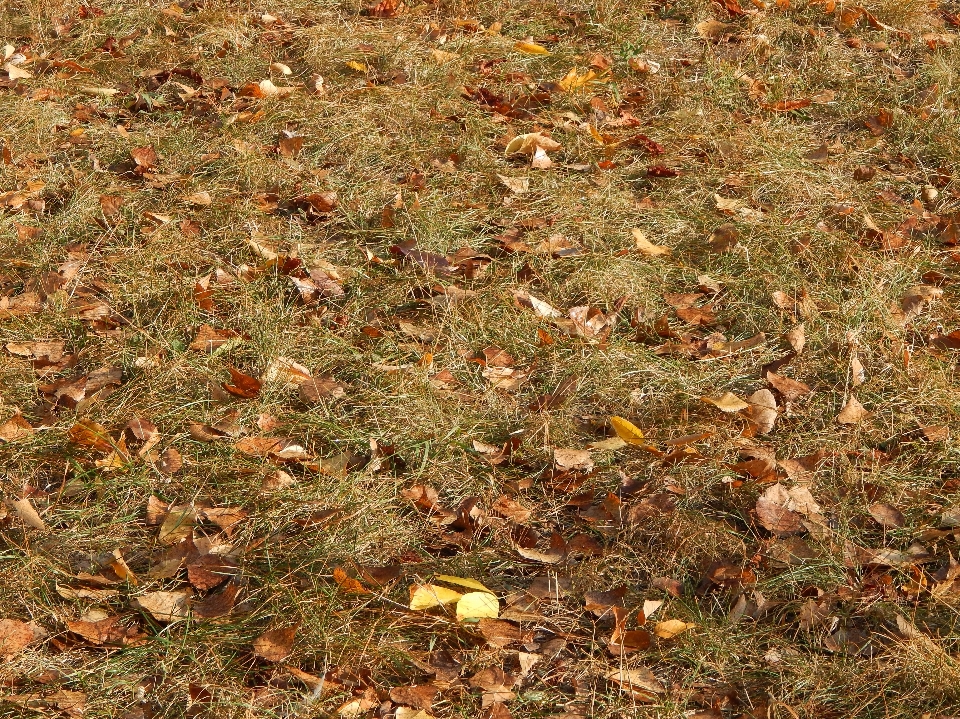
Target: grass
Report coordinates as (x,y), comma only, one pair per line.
(396,130)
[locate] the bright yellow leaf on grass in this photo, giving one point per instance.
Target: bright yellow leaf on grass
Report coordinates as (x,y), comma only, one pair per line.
(627,431)
(531,48)
(670,628)
(428,596)
(478,605)
(463,582)
(358,66)
(574,81)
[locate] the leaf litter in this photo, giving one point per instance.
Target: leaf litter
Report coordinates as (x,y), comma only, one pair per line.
(443,372)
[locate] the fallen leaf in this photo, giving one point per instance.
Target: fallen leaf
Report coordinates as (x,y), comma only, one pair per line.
(170,461)
(790,389)
(15,428)
(243,385)
(645,247)
(887,516)
(516,185)
(165,606)
(428,596)
(529,143)
(796,338)
(627,431)
(282,448)
(107,631)
(578,459)
(28,515)
(200,199)
(209,339)
(715,31)
(853,412)
(727,402)
(528,47)
(670,628)
(477,605)
(500,633)
(525,299)
(774,513)
(348,583)
(77,593)
(638,680)
(15,636)
(462,582)
(275,645)
(724,238)
(316,389)
(762,411)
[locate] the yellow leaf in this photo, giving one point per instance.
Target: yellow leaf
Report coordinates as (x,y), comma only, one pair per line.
(727,402)
(427,596)
(463,582)
(670,628)
(574,81)
(478,605)
(627,431)
(358,66)
(531,48)
(645,246)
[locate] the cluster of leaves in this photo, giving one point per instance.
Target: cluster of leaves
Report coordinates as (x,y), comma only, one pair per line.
(567,556)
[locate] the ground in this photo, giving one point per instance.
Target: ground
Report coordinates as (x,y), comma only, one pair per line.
(635,324)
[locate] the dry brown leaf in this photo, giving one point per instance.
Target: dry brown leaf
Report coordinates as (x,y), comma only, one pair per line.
(578,459)
(639,681)
(165,606)
(170,461)
(887,516)
(790,389)
(762,411)
(796,338)
(275,645)
(15,428)
(774,513)
(853,412)
(28,515)
(15,636)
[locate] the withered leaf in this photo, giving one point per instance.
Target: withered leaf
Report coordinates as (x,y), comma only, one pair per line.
(15,636)
(773,513)
(107,631)
(724,238)
(242,385)
(315,389)
(762,411)
(500,633)
(15,428)
(853,412)
(217,605)
(209,339)
(170,461)
(281,448)
(790,389)
(165,606)
(887,516)
(275,645)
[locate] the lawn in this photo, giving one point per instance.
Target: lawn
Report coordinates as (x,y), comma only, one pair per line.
(532,359)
